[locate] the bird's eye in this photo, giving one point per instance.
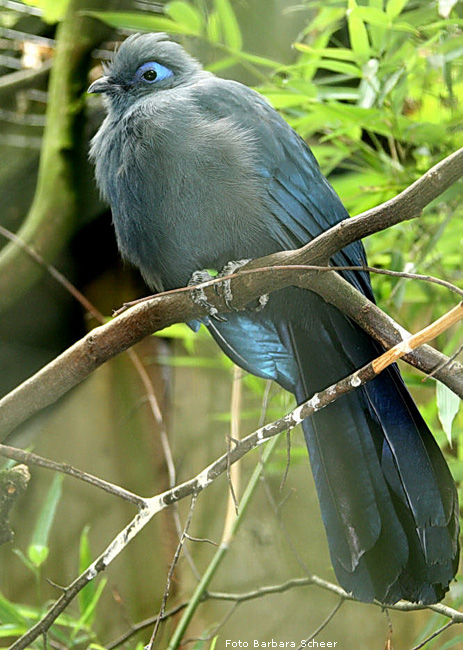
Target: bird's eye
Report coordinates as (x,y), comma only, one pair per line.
(150,75)
(152,71)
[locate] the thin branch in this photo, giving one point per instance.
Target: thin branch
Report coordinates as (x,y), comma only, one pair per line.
(142,625)
(247,270)
(434,635)
(28,458)
(158,418)
(171,573)
(201,589)
(447,362)
(313,580)
(203,540)
(208,637)
(323,624)
(233,472)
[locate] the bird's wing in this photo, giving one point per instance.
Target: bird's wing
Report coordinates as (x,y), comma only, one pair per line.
(370,443)
(301,201)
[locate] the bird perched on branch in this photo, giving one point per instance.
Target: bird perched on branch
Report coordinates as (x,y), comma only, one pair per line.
(200,171)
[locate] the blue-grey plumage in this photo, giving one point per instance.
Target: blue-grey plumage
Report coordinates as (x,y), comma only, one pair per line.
(200,171)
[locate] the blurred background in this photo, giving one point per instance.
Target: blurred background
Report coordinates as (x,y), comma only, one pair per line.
(375,87)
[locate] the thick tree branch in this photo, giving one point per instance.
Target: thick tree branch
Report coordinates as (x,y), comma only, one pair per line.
(103,343)
(152,506)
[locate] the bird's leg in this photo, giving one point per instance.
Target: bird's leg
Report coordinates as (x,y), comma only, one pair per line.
(198,295)
(225,287)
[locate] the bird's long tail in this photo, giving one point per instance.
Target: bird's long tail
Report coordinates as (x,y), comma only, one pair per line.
(387,497)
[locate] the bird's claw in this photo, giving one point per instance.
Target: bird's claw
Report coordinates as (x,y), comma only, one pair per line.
(198,295)
(226,292)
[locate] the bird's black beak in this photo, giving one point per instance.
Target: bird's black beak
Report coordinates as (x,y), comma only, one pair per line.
(101,85)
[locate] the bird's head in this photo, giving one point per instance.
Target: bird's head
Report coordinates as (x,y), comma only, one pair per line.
(145,64)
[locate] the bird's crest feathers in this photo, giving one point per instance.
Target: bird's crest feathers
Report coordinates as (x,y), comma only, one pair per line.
(141,48)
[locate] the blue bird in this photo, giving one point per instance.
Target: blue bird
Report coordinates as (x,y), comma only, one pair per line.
(200,171)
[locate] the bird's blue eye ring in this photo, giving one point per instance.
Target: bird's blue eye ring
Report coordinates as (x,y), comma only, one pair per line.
(153,71)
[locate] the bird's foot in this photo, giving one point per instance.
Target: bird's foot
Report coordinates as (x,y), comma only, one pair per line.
(225,290)
(198,295)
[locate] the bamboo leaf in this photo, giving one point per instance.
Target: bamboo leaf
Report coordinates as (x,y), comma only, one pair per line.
(395,7)
(214,31)
(140,22)
(374,16)
(229,24)
(330,52)
(183,13)
(448,405)
(85,559)
(53,10)
(341,67)
(38,549)
(357,33)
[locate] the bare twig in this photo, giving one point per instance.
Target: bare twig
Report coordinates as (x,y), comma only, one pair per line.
(216,628)
(142,625)
(171,573)
(434,635)
(233,471)
(28,458)
(323,624)
(313,580)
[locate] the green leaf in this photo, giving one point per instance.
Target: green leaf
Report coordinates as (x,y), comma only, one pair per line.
(89,614)
(11,630)
(85,559)
(53,10)
(37,554)
(258,60)
(177,331)
(395,7)
(185,14)
(40,535)
(280,99)
(214,32)
(341,67)
(10,613)
(357,33)
(453,643)
(448,405)
(329,52)
(229,25)
(374,16)
(140,22)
